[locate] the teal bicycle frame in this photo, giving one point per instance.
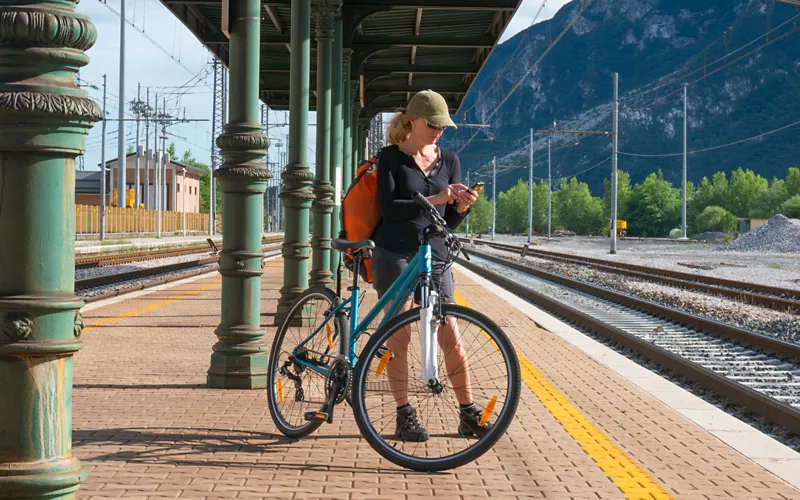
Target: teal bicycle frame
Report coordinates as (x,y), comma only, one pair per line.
(417,271)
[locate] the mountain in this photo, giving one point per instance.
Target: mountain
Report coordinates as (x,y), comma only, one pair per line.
(655,46)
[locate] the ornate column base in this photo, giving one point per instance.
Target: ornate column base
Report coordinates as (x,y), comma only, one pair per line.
(296,196)
(239,360)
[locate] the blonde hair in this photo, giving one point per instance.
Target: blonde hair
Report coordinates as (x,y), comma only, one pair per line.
(399,129)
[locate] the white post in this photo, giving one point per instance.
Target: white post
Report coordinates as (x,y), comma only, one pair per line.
(157,191)
(614,157)
(103,169)
(685,159)
(494,193)
(137,185)
(174,189)
(183,202)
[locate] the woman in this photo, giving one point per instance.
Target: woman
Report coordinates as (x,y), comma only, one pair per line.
(413,162)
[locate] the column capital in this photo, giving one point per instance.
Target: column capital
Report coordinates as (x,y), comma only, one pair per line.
(347,58)
(39,111)
(325,11)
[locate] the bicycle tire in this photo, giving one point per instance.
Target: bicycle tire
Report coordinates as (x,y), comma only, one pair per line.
(482,445)
(281,422)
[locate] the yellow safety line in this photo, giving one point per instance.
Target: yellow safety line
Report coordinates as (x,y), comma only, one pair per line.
(156,305)
(627,474)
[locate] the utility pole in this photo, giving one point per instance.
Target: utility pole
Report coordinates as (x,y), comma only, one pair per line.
(165,158)
(157,191)
(530,192)
(467,219)
(494,193)
(147,154)
(122,164)
(138,149)
(685,158)
(103,169)
(614,158)
(549,189)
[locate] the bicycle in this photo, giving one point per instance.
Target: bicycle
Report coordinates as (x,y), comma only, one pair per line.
(308,376)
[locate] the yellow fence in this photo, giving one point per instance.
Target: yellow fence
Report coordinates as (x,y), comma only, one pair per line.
(129,220)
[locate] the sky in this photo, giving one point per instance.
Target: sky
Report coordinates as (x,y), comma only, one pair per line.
(168,60)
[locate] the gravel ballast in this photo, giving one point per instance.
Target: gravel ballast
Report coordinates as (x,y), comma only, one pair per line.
(782,325)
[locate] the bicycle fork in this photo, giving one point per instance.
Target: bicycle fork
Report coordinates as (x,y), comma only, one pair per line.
(428,316)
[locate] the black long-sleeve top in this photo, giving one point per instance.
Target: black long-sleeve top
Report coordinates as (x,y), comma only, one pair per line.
(402,219)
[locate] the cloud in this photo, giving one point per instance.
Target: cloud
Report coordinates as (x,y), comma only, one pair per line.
(524,16)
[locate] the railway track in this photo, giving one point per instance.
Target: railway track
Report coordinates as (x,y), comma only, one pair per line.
(127,258)
(140,279)
(760,373)
(780,299)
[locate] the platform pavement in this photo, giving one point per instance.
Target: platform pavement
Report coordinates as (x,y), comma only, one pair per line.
(146,426)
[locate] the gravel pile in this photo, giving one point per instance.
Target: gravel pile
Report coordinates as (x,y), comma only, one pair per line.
(779,234)
(710,236)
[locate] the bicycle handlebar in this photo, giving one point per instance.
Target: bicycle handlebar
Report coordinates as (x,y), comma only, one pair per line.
(435,218)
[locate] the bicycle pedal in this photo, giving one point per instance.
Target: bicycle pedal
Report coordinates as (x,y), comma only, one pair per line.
(316,416)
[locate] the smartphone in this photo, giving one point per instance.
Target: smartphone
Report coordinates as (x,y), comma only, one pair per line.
(477,186)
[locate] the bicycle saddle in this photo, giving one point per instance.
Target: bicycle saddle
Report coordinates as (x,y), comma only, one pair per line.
(345,245)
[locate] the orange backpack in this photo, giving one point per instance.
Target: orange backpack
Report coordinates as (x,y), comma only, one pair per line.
(361,212)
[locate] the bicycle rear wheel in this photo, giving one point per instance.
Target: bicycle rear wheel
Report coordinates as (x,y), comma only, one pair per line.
(294,389)
(476,363)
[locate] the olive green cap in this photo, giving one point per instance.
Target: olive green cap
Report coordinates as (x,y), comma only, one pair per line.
(431,107)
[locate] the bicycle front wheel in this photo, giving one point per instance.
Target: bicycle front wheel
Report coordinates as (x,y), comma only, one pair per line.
(476,364)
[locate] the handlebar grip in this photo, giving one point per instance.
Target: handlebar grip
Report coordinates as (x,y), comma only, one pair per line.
(422,201)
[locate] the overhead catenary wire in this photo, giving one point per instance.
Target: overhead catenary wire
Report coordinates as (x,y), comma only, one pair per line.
(690,60)
(148,37)
(724,66)
(713,148)
(533,66)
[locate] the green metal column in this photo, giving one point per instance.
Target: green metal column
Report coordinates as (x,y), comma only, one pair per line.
(239,360)
(296,193)
(337,129)
(44,120)
(347,109)
(322,207)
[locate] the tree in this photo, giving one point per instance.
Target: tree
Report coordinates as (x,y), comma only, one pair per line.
(623,194)
(577,210)
(793,182)
(744,188)
(512,209)
(130,149)
(791,207)
(655,207)
(711,193)
(171,151)
(189,159)
(715,218)
(768,203)
(480,216)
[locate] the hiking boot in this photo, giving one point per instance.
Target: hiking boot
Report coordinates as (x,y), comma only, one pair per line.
(470,422)
(408,427)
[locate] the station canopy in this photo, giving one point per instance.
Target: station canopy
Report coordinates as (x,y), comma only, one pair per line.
(399,46)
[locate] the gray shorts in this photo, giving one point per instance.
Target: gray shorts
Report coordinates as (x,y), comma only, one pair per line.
(388,266)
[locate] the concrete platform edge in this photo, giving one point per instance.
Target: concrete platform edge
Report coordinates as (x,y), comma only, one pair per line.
(768,453)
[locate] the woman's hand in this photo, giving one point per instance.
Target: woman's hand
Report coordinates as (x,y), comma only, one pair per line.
(466,197)
(448,195)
